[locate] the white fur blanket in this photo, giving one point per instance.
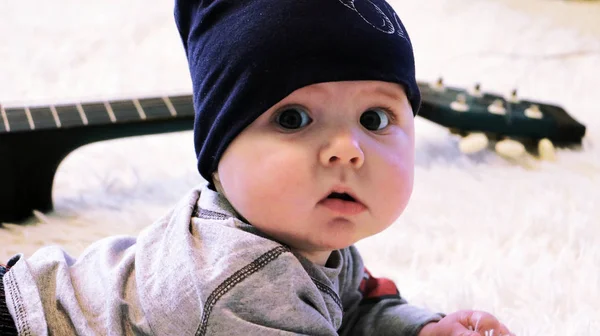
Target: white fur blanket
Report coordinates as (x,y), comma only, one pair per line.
(479,232)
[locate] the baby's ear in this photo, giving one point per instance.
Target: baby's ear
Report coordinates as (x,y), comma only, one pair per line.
(215,177)
(217,182)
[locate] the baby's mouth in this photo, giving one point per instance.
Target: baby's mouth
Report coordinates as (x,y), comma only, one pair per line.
(342,196)
(343,203)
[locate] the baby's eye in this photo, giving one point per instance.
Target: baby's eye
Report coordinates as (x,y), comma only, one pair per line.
(293,117)
(374,119)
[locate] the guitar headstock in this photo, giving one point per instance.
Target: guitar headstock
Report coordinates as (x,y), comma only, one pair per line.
(473,111)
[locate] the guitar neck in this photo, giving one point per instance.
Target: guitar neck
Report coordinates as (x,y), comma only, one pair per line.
(35,118)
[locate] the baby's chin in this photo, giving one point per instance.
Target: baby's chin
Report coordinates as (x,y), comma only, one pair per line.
(327,235)
(328,244)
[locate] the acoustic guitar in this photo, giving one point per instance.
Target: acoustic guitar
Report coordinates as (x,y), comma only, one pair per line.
(35,139)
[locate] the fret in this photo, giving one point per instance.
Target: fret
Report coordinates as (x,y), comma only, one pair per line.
(28,114)
(17,119)
(42,117)
(139,109)
(94,113)
(5,120)
(184,105)
(55,115)
(170,106)
(124,110)
(110,111)
(97,113)
(155,108)
(69,115)
(81,113)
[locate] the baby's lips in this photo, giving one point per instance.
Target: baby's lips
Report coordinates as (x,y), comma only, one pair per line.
(342,189)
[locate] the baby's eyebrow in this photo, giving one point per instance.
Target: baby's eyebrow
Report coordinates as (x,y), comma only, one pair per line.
(389,93)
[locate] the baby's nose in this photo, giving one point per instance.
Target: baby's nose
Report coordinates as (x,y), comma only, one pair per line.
(342,150)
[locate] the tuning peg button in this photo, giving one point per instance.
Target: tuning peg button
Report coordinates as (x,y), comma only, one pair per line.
(510,148)
(473,143)
(546,150)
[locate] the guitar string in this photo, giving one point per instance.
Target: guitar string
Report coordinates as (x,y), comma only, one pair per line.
(165,104)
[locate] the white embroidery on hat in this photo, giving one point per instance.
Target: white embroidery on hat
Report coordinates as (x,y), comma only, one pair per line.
(386,25)
(397,19)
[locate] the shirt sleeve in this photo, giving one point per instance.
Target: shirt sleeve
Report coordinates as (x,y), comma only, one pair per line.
(374,306)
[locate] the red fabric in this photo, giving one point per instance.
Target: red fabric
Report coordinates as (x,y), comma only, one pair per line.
(372,287)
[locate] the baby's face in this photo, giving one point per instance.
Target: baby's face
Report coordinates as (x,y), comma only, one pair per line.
(354,137)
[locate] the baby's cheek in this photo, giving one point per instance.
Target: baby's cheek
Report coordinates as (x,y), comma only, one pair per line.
(276,181)
(276,199)
(396,185)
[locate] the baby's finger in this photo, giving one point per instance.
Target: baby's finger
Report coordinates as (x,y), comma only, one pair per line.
(504,331)
(490,332)
(500,330)
(467,333)
(482,321)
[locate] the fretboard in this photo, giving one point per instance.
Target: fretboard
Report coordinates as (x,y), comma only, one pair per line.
(31,118)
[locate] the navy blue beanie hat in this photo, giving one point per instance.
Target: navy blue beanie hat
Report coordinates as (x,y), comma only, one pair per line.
(245,56)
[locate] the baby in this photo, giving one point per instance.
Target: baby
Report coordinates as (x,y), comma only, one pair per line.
(304,132)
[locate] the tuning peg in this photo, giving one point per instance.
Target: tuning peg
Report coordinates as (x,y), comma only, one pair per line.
(497,107)
(476,91)
(510,148)
(533,112)
(438,85)
(460,104)
(546,150)
(513,98)
(473,143)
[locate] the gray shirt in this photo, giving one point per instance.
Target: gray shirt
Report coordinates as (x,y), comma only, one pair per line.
(200,270)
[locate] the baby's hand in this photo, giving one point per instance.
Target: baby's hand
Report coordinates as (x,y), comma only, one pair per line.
(466,323)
